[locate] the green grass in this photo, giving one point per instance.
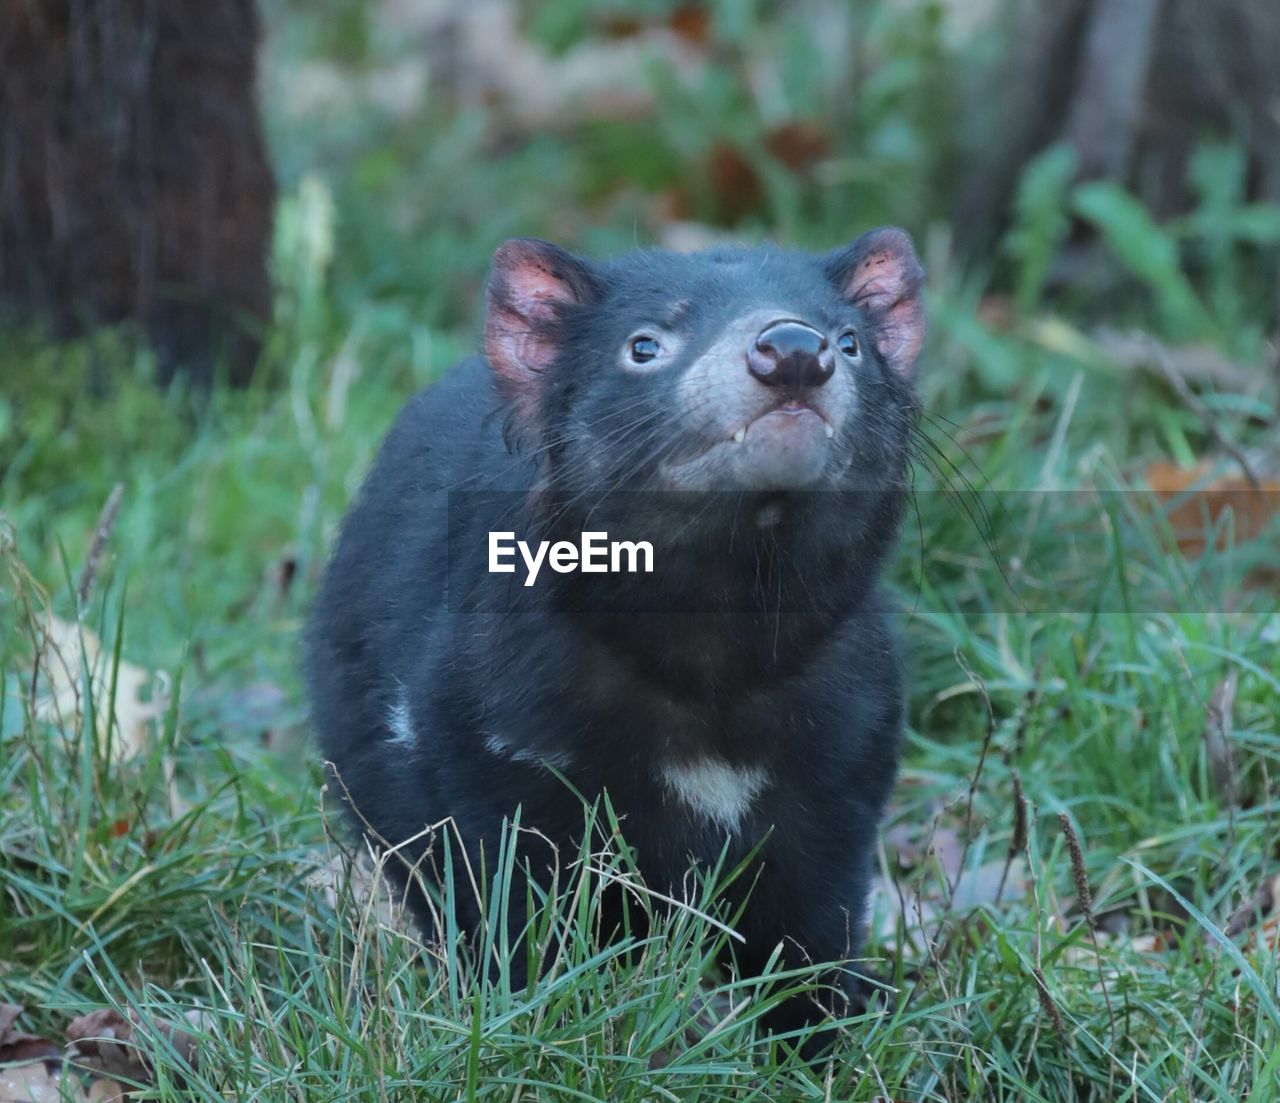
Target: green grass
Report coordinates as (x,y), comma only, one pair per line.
(122,888)
(1056,643)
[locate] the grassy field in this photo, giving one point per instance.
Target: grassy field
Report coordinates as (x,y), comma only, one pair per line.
(1078,682)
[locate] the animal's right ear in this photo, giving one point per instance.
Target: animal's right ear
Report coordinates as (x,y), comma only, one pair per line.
(532,286)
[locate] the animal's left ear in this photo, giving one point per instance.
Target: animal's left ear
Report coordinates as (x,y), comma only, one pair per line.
(879,274)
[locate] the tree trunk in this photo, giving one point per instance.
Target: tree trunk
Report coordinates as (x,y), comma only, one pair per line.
(1133,86)
(134,184)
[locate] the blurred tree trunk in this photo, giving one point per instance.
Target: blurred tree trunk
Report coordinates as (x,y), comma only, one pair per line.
(134,183)
(1106,110)
(1132,85)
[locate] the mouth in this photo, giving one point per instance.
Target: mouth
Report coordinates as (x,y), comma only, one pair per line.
(789,417)
(784,447)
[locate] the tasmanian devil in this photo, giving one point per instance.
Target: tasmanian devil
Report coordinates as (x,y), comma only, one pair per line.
(748,413)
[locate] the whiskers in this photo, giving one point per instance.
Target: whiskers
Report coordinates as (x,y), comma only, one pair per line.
(960,481)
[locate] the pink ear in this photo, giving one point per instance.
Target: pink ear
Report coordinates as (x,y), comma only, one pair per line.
(879,273)
(530,285)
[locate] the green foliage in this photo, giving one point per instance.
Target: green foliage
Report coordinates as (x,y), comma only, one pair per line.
(1218,241)
(1221,234)
(560,26)
(1149,253)
(1041,222)
(199,895)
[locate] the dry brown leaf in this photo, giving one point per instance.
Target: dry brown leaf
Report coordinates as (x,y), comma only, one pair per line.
(798,144)
(103,1039)
(32,1083)
(18,1045)
(105,1042)
(37,1073)
(1196,499)
(44,1082)
(692,22)
(67,650)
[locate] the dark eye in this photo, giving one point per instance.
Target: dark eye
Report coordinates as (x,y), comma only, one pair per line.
(847,343)
(644,349)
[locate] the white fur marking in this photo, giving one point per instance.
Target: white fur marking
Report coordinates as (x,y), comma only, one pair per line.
(400,720)
(497,745)
(714,789)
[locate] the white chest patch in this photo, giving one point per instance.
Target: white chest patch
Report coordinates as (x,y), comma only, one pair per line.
(400,720)
(715,790)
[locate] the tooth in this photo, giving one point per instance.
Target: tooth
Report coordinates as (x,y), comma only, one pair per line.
(740,435)
(830,430)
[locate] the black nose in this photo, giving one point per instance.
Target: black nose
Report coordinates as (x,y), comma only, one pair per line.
(791,354)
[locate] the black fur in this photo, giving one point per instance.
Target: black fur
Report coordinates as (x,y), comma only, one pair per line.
(766,647)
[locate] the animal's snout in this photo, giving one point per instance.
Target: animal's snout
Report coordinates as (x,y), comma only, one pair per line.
(791,354)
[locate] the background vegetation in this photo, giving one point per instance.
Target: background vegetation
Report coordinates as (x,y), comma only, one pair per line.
(1069,648)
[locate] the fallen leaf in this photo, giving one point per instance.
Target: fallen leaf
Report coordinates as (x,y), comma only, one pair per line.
(105,1042)
(36,1071)
(104,1039)
(51,1083)
(1197,501)
(18,1045)
(34,1083)
(66,651)
(692,22)
(798,144)
(735,182)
